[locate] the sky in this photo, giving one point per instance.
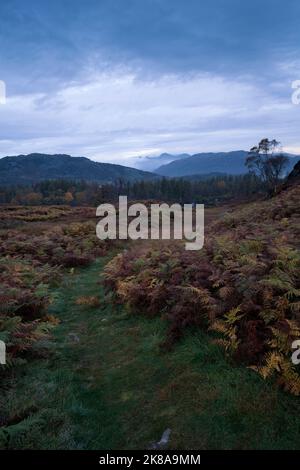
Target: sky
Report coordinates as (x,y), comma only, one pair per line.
(114,79)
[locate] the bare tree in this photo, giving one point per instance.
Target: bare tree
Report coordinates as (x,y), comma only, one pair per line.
(268,162)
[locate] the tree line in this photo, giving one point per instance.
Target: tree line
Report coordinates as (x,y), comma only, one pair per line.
(209,191)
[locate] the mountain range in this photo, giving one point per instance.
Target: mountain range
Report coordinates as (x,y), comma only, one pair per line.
(232,163)
(35,167)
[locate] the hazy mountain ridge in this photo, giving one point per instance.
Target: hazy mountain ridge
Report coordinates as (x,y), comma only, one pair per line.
(232,163)
(150,163)
(35,167)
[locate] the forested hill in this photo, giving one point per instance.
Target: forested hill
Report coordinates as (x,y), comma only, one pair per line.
(35,167)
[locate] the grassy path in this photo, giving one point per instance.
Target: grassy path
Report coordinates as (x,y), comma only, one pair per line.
(108,386)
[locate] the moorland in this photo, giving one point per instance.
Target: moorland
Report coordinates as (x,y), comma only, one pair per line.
(110,343)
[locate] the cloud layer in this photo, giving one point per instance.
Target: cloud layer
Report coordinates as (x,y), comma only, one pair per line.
(110,81)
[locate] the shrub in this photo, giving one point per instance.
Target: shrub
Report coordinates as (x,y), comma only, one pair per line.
(244,285)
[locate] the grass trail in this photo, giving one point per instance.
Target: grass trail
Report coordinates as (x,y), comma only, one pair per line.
(108,386)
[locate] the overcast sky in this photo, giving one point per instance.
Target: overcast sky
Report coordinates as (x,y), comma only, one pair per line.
(112,79)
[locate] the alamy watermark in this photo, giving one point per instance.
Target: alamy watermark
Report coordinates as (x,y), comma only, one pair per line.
(296,354)
(158,222)
(2,353)
(2,92)
(296,93)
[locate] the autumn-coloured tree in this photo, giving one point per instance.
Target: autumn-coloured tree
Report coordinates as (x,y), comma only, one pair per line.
(32,198)
(68,197)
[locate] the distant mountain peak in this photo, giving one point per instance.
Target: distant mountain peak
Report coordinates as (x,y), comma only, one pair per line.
(150,163)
